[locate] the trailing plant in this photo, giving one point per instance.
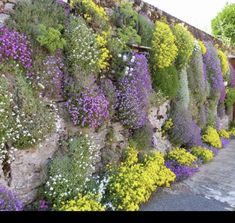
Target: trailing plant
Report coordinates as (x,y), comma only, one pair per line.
(15,46)
(88,202)
(134,90)
(224,62)
(181,156)
(82,49)
(51,38)
(202,153)
(133,182)
(8,200)
(212,138)
(230,98)
(69,173)
(164,49)
(202,46)
(185,44)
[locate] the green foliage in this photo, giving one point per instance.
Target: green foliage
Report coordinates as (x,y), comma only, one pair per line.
(212,111)
(157,98)
(185,44)
(211,137)
(142,138)
(167,80)
(204,154)
(94,14)
(230,98)
(51,38)
(182,156)
(133,182)
(145,30)
(69,173)
(167,125)
(128,35)
(223,24)
(28,15)
(82,49)
(164,49)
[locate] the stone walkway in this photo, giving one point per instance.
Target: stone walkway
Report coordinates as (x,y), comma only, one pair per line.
(211,189)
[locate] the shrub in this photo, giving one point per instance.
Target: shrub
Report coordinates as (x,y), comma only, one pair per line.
(224,62)
(142,137)
(230,97)
(212,137)
(24,119)
(182,172)
(90,108)
(132,182)
(134,90)
(8,201)
(167,80)
(88,202)
(94,14)
(128,35)
(224,133)
(185,131)
(202,153)
(145,30)
(28,15)
(82,49)
(164,49)
(185,44)
(68,174)
(15,46)
(51,38)
(181,156)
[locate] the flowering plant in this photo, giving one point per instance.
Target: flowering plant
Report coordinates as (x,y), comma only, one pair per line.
(224,133)
(15,46)
(212,137)
(202,153)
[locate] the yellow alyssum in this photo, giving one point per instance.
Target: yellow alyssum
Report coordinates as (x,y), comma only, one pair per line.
(202,46)
(163,45)
(182,156)
(133,182)
(205,154)
(211,137)
(224,62)
(224,133)
(87,202)
(105,55)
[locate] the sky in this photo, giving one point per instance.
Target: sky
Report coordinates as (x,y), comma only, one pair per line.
(198,13)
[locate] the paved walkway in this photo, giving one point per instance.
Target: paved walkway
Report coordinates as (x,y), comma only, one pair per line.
(211,189)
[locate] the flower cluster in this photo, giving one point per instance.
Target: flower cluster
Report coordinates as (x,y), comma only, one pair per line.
(224,142)
(182,172)
(91,108)
(69,174)
(224,62)
(212,137)
(83,51)
(15,46)
(182,156)
(134,91)
(8,201)
(50,79)
(163,46)
(202,46)
(88,202)
(204,154)
(132,182)
(224,133)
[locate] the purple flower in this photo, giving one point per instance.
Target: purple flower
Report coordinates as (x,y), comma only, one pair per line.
(8,201)
(182,172)
(133,93)
(43,206)
(15,46)
(89,108)
(224,141)
(214,72)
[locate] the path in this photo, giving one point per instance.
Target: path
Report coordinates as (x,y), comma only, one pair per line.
(211,189)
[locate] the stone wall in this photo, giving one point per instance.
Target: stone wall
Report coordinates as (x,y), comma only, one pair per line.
(6,6)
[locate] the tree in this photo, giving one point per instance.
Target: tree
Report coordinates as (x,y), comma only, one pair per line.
(223,25)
